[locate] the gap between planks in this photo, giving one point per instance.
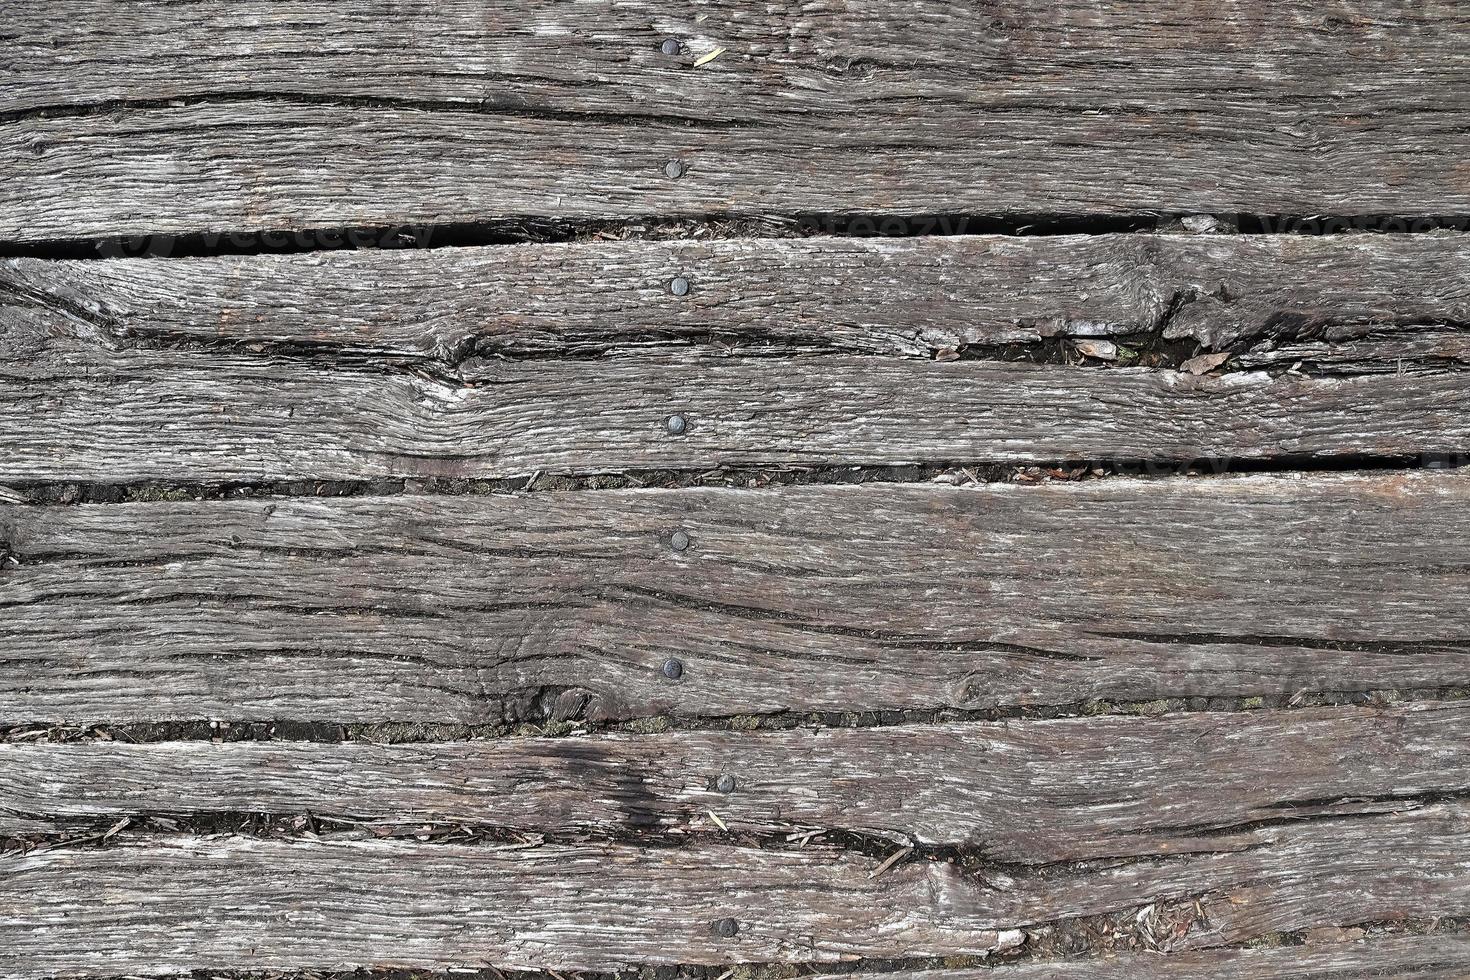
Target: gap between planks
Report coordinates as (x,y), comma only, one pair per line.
(532,230)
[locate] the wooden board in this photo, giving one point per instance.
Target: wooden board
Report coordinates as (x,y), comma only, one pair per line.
(364,366)
(80,412)
(909,296)
(165,119)
(482,609)
(1024,792)
(177,904)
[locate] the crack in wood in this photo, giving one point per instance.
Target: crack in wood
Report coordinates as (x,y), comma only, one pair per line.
(116,108)
(1396,646)
(548,726)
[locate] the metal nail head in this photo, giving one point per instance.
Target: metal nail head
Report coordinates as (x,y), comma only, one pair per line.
(679,286)
(673,668)
(726,783)
(679,541)
(674,169)
(726,928)
(677,425)
(670,47)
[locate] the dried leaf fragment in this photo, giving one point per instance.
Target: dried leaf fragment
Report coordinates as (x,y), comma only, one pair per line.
(1204,363)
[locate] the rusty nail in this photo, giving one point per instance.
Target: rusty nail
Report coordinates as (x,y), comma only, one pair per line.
(670,47)
(677,425)
(674,169)
(726,928)
(673,668)
(679,286)
(726,783)
(679,541)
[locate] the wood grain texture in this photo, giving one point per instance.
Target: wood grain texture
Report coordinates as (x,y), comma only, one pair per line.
(179,904)
(479,609)
(1027,792)
(1437,957)
(79,409)
(889,296)
(161,118)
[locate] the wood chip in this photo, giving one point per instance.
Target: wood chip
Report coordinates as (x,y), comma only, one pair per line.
(890,861)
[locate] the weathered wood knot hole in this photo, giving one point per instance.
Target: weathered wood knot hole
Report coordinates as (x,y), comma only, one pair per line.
(725,928)
(679,286)
(725,784)
(679,541)
(676,425)
(674,169)
(673,668)
(670,47)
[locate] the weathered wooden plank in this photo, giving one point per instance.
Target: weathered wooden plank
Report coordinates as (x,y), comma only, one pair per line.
(576,60)
(478,609)
(341,403)
(904,296)
(1437,957)
(419,112)
(77,410)
(179,904)
(1025,792)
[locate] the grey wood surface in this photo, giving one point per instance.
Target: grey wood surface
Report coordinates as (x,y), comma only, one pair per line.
(176,904)
(162,118)
(1027,792)
(1182,831)
(75,409)
(911,296)
(483,608)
